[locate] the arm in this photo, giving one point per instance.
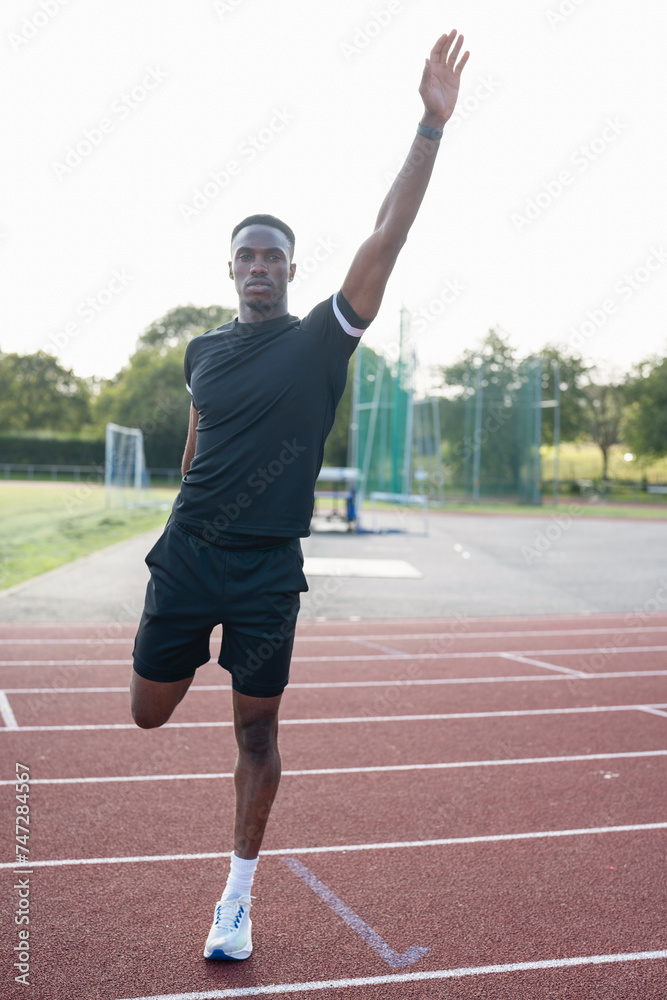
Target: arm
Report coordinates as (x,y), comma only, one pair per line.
(367,278)
(190,444)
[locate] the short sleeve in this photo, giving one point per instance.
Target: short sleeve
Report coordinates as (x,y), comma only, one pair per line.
(187,370)
(338,323)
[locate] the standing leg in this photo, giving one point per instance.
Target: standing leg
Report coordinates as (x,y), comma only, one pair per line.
(256,780)
(257,772)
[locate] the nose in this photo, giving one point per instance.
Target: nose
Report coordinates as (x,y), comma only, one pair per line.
(258,268)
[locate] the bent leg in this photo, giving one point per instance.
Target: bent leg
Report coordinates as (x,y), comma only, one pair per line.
(257,772)
(152,702)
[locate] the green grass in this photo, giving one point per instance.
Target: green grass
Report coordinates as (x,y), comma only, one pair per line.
(45,525)
(584,461)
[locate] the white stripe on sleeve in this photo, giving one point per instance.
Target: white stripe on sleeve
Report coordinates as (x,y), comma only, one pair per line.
(188,388)
(353,332)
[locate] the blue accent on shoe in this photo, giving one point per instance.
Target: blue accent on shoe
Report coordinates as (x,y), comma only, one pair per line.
(218,954)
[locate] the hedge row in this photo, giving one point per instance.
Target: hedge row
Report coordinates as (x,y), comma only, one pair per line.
(16,448)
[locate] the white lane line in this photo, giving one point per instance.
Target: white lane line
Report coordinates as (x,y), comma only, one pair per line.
(443,716)
(652,710)
(540,663)
(383,649)
(456,633)
(448,765)
(8,716)
(344,848)
(410,977)
(477,654)
(416,682)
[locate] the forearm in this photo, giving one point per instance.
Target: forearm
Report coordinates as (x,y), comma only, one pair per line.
(188,455)
(399,209)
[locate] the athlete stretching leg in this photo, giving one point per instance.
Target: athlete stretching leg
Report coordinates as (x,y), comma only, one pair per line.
(264,393)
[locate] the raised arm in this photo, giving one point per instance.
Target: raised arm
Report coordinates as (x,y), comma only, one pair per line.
(367,278)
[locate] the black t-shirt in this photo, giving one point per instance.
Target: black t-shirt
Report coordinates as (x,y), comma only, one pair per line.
(266,394)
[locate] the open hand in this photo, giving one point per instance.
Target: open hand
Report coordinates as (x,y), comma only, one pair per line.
(439,86)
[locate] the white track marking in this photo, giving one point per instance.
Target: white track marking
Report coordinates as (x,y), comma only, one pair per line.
(410,977)
(448,765)
(8,716)
(652,710)
(375,645)
(540,663)
(477,654)
(443,716)
(344,848)
(416,682)
(459,633)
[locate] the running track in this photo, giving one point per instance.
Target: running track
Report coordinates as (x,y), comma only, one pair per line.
(468,809)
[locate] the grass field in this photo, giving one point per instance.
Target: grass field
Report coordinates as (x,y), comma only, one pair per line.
(44,525)
(584,461)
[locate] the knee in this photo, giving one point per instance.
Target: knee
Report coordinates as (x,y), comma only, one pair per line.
(258,740)
(147,720)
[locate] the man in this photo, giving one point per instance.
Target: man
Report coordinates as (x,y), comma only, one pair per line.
(264,392)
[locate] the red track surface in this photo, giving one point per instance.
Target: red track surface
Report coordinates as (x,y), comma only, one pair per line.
(509,853)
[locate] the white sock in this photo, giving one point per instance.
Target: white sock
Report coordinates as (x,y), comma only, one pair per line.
(241,874)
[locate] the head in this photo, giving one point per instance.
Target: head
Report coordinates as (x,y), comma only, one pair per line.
(261,266)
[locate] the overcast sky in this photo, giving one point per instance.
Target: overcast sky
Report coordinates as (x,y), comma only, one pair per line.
(546,216)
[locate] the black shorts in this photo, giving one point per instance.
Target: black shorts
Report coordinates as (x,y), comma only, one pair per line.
(194,586)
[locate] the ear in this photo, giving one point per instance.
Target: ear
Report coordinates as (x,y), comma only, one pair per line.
(292,271)
(231,273)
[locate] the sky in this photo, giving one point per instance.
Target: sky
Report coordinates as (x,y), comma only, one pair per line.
(139,134)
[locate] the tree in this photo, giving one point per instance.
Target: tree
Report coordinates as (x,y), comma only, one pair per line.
(149,393)
(37,393)
(645,426)
(605,414)
(181,324)
(495,367)
(574,376)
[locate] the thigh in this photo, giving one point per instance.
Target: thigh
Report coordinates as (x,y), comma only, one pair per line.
(152,702)
(263,590)
(180,609)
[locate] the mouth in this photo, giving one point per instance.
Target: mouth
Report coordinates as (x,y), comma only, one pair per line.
(258,286)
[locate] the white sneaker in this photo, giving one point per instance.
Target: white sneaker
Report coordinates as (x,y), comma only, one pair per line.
(231,933)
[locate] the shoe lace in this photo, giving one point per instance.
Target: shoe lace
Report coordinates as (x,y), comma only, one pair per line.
(229,913)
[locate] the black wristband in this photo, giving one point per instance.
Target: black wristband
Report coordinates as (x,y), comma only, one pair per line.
(430,133)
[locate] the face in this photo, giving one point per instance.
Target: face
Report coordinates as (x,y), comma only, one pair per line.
(261,268)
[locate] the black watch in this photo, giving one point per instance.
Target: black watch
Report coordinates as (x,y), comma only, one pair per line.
(430,133)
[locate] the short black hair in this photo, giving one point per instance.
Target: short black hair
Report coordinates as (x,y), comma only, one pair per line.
(267,220)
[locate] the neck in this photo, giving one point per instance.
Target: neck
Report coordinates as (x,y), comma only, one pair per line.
(257,312)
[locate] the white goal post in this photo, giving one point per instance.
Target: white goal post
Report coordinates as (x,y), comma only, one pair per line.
(125,475)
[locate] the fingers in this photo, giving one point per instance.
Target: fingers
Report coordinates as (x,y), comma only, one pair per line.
(442,44)
(442,51)
(453,55)
(462,62)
